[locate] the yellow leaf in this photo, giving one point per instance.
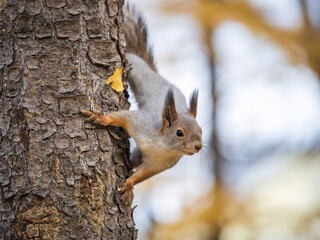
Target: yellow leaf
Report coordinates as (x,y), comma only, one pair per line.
(116,80)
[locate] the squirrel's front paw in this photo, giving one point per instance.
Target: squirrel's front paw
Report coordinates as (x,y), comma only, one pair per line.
(127,197)
(96,117)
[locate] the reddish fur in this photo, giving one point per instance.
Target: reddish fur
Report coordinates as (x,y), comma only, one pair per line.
(139,176)
(110,119)
(118,121)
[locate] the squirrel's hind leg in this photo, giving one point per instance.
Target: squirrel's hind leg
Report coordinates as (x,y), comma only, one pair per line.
(135,158)
(143,172)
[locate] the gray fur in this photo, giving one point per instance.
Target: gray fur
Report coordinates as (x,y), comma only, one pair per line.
(150,89)
(158,145)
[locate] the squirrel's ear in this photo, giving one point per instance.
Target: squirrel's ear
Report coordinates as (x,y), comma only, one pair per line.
(169,113)
(194,103)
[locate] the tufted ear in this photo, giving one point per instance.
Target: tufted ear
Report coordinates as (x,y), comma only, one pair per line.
(169,112)
(194,103)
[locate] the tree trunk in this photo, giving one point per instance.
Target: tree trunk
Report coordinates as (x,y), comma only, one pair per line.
(59,175)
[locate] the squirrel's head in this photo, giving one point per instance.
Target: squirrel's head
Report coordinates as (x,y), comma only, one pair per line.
(182,131)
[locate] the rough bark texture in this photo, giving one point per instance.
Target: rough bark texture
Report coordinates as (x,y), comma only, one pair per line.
(58,174)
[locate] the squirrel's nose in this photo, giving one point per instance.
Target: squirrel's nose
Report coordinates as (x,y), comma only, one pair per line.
(198,147)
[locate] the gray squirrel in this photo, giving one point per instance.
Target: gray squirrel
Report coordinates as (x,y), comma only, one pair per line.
(164,128)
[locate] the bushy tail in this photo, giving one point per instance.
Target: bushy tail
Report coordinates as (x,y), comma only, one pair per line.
(136,35)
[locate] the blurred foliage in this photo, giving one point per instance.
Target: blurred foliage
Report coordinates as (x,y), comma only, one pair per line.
(199,221)
(266,212)
(302,44)
(281,205)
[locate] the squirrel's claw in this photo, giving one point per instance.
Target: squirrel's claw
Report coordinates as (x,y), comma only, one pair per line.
(127,197)
(96,117)
(97,121)
(87,113)
(123,189)
(97,113)
(93,116)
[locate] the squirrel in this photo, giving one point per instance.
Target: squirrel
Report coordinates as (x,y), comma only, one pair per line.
(164,128)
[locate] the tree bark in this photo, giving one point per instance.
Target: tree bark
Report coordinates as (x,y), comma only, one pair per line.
(59,175)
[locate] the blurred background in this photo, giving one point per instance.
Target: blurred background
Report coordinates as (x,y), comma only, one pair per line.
(257,66)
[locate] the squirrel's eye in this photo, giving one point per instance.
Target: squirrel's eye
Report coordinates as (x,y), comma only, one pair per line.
(179,133)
